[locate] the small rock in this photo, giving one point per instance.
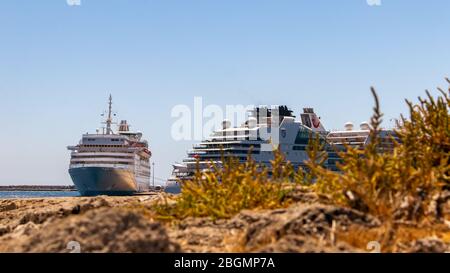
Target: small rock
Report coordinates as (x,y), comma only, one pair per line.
(301,244)
(8,206)
(24,230)
(427,245)
(304,220)
(4,230)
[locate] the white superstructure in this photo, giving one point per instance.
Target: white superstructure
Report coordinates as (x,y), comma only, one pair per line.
(111,162)
(259,135)
(361,137)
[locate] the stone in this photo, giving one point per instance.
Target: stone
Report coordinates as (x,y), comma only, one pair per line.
(312,221)
(101,230)
(427,245)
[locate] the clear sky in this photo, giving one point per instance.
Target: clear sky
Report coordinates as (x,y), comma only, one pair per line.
(58,64)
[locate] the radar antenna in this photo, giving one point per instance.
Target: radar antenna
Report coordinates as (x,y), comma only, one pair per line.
(109,119)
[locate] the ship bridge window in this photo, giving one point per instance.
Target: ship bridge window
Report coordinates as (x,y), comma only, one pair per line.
(302,137)
(299,148)
(333,155)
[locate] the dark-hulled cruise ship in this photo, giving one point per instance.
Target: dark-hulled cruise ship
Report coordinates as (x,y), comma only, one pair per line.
(256,134)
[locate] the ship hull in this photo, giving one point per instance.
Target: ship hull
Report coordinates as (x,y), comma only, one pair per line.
(91,181)
(172,187)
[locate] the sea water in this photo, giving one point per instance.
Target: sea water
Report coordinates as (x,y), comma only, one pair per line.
(37,194)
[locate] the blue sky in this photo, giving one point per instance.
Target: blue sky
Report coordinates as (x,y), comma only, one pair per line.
(58,64)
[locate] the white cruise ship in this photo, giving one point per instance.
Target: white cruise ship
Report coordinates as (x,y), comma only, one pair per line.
(361,137)
(255,135)
(111,163)
(356,138)
(293,136)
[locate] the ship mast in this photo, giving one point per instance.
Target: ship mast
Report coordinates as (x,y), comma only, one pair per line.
(109,120)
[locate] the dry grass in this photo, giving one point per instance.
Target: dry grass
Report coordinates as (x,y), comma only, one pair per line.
(224,192)
(380,183)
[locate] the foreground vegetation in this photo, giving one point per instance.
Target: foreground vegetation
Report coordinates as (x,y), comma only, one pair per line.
(403,184)
(227,190)
(415,171)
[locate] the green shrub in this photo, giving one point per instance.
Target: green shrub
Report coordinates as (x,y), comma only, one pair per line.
(223,192)
(416,169)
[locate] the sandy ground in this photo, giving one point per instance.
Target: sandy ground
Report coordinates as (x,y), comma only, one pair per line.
(126,224)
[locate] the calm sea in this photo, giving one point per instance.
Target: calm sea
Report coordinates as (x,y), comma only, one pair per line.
(36,194)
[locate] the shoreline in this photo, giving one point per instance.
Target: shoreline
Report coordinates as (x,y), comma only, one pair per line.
(36,188)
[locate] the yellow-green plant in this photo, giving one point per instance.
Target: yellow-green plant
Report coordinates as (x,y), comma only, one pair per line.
(380,182)
(231,187)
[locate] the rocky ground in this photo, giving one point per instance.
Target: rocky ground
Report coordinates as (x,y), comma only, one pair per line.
(125,224)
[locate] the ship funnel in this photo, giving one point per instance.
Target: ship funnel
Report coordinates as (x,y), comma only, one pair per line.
(124,127)
(311,120)
(348,126)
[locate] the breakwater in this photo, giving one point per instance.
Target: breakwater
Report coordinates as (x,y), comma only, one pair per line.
(38,188)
